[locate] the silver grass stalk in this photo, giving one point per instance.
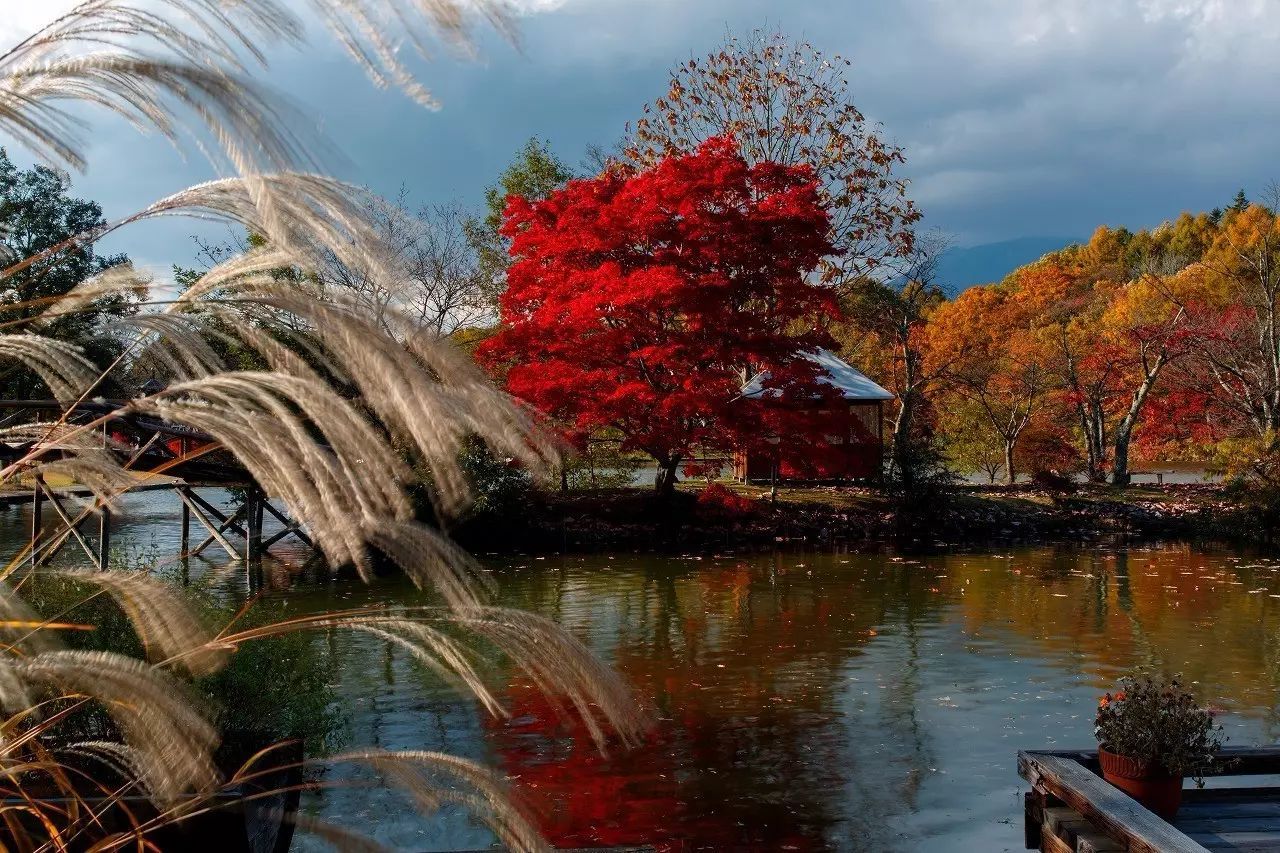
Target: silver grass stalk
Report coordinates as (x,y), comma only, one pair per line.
(58,363)
(435,778)
(178,342)
(166,625)
(341,466)
(151,60)
(156,714)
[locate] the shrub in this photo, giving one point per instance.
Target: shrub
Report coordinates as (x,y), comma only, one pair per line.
(500,486)
(1156,719)
(1250,469)
(1053,481)
(919,479)
(718,501)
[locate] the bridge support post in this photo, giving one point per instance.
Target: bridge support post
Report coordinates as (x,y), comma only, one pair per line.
(104,537)
(185,541)
(253,524)
(37,509)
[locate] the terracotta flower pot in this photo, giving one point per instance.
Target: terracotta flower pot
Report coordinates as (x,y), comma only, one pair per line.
(1144,781)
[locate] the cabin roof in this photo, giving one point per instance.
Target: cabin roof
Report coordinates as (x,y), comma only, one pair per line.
(852,383)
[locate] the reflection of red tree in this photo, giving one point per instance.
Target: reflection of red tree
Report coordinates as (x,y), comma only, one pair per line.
(580,796)
(665,792)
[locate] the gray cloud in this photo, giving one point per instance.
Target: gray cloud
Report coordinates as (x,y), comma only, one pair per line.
(1018,117)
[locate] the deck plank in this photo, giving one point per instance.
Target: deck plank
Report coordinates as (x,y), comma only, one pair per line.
(1227,823)
(1107,808)
(1252,842)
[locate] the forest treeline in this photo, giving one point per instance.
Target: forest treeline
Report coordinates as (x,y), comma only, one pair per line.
(1134,347)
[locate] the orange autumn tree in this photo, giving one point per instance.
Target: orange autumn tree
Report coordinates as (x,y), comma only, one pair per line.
(1114,325)
(1145,329)
(1237,341)
(1085,372)
(996,361)
(883,327)
(1109,322)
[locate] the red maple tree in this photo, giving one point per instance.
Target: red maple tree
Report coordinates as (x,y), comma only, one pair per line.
(638,301)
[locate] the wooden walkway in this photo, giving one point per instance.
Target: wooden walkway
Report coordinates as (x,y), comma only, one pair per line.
(1071,809)
(162,455)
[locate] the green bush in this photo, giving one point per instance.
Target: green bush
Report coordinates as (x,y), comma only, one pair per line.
(500,486)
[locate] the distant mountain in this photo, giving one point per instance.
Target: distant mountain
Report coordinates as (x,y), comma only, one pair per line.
(962,268)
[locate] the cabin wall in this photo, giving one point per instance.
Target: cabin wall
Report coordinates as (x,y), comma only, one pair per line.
(852,448)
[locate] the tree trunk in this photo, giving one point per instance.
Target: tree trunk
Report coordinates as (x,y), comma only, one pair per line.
(665,483)
(1120,472)
(1010,475)
(901,458)
(1124,430)
(1095,436)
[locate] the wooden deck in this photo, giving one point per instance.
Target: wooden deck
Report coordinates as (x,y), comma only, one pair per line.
(1071,809)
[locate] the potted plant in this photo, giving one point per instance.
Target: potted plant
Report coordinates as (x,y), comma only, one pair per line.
(1152,734)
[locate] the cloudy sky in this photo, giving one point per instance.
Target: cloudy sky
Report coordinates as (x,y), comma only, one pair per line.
(1018,117)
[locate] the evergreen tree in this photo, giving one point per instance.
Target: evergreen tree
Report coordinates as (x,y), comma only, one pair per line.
(533,175)
(36,214)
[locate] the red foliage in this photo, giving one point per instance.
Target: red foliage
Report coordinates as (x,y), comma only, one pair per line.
(1178,417)
(718,500)
(636,300)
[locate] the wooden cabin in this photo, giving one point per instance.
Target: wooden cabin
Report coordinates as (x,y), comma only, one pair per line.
(853,431)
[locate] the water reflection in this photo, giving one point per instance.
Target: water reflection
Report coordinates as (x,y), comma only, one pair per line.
(869,702)
(804,701)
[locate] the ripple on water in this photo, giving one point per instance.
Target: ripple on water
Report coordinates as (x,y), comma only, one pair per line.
(804,701)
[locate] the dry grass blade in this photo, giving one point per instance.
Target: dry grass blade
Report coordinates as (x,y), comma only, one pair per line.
(163,620)
(436,651)
(121,279)
(179,343)
(432,561)
(79,456)
(156,715)
(308,446)
(415,634)
(434,778)
(560,665)
(14,695)
(251,126)
(15,621)
(565,670)
(363,28)
(59,364)
(95,470)
(300,215)
(428,397)
(147,56)
(238,269)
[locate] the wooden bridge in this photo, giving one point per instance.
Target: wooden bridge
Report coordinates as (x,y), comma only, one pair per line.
(166,456)
(1071,809)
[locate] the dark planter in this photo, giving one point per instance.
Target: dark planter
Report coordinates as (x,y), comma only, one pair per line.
(252,817)
(1146,782)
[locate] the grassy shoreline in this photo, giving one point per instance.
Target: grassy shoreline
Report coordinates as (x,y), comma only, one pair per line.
(632,519)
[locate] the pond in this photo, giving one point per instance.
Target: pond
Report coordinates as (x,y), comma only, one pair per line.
(805,701)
